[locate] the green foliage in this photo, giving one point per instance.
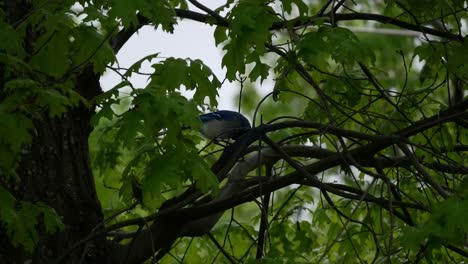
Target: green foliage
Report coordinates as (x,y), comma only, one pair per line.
(14,133)
(21,220)
(165,165)
(173,73)
(160,12)
(361,73)
(66,45)
(339,44)
(289,4)
(248,33)
(168,171)
(17,111)
(440,57)
(10,41)
(445,225)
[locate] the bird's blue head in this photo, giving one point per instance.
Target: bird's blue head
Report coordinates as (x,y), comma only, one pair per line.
(223,124)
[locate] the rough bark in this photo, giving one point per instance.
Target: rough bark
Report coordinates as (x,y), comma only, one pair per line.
(57,172)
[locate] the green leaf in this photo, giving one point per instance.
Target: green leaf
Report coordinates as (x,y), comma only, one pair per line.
(161,12)
(205,83)
(125,10)
(56,102)
(21,220)
(172,73)
(337,43)
(89,46)
(281,84)
(248,33)
(15,63)
(137,65)
(445,225)
(260,70)
(20,225)
(15,132)
(161,171)
(220,35)
(301,6)
(10,40)
(52,221)
(53,58)
(204,178)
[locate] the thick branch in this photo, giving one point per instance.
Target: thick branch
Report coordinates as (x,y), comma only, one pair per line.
(359,153)
(301,21)
(122,37)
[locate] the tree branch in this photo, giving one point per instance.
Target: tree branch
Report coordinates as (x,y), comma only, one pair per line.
(122,37)
(301,21)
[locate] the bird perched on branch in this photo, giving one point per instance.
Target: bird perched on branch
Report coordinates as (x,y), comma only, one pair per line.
(223,124)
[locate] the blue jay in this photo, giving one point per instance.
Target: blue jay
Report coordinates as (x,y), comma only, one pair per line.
(223,124)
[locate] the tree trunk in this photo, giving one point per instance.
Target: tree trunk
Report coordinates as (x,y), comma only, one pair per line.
(55,170)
